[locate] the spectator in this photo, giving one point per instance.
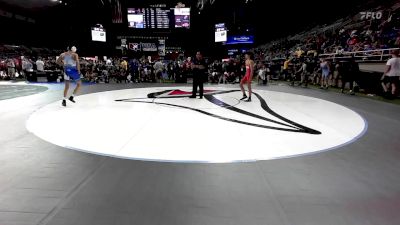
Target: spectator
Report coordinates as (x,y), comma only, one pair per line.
(40,65)
(11,68)
(109,62)
(325,73)
(350,72)
(397,42)
(299,52)
(224,73)
(304,75)
(337,73)
(216,70)
(286,68)
(158,67)
(262,72)
(124,65)
(390,78)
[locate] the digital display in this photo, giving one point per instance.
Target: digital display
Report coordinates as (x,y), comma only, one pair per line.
(136,18)
(98,34)
(182,17)
(158,18)
(153,18)
(221,34)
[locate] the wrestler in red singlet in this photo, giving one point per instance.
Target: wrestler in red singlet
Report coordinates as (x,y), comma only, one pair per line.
(248,77)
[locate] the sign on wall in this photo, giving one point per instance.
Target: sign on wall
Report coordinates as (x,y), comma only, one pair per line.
(241,39)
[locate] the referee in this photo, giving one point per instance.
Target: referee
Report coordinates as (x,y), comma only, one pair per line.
(199,68)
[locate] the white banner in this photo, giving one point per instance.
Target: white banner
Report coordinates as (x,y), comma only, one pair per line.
(149,47)
(161,47)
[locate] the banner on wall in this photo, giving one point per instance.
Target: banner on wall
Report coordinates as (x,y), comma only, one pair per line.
(149,47)
(242,39)
(134,47)
(145,47)
(161,47)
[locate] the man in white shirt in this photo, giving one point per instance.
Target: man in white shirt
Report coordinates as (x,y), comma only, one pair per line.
(158,67)
(262,74)
(40,65)
(108,62)
(391,76)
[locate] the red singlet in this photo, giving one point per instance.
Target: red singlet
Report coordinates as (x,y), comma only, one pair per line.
(246,78)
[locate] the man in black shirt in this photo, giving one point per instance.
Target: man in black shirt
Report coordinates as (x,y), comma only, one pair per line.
(199,68)
(350,72)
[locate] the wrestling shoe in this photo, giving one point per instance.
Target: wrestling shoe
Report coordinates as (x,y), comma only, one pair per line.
(72,99)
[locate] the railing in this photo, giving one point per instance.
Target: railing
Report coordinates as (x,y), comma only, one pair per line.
(379,55)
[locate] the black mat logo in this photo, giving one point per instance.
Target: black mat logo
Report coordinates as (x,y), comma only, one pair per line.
(209,95)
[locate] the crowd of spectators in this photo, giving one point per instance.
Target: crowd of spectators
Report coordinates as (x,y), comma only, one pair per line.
(307,57)
(298,71)
(12,68)
(18,61)
(301,59)
(346,35)
(148,70)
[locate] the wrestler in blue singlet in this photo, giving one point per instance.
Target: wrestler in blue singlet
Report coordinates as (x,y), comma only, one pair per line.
(70,68)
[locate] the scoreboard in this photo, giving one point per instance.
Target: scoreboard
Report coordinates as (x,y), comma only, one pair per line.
(156,18)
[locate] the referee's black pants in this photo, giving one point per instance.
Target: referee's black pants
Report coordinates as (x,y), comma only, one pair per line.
(197,82)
